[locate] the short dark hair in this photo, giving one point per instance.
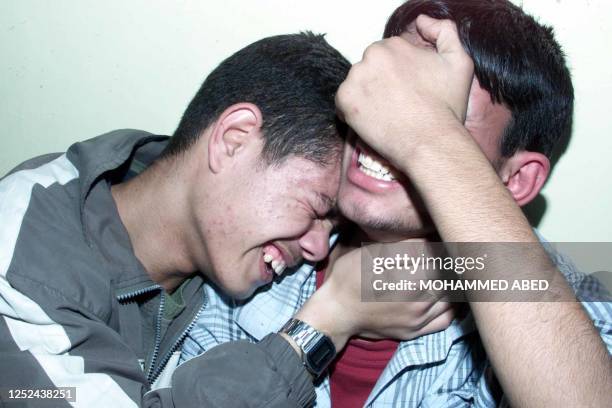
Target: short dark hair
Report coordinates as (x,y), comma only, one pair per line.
(292,79)
(516,59)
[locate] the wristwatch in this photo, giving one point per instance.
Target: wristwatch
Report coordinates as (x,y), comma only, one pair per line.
(317,349)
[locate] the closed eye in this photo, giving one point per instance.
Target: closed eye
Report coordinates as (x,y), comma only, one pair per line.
(334,216)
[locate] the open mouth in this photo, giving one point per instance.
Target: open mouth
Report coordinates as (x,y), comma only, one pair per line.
(373,167)
(371,172)
(274,261)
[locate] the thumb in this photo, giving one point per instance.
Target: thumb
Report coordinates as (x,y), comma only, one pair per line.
(442,33)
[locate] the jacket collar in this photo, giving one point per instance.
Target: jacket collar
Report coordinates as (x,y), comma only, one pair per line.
(105,153)
(110,157)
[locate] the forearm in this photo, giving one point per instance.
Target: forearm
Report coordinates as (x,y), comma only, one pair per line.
(321,311)
(542,353)
(462,192)
(545,354)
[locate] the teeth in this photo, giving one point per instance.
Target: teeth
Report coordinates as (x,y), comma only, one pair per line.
(376,175)
(278,266)
(374,168)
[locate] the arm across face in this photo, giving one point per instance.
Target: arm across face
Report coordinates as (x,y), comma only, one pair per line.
(408,104)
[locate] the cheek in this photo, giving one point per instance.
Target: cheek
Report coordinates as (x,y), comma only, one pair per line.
(272,219)
(295,222)
(226,221)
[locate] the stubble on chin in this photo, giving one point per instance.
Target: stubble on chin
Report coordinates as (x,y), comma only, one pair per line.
(387,227)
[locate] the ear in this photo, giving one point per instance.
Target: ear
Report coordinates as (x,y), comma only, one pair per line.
(524,174)
(236,128)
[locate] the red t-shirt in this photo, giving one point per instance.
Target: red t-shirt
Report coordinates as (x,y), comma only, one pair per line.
(357,368)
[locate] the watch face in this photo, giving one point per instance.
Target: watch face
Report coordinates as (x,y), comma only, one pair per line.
(318,349)
(320,355)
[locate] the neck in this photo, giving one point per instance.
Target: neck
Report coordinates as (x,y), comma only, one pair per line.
(148,206)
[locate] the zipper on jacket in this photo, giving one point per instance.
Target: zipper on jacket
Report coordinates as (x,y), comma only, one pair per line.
(153,375)
(138,292)
(160,315)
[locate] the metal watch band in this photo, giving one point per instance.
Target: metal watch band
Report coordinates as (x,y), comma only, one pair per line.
(317,349)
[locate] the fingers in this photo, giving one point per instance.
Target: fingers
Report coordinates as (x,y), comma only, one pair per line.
(442,33)
(437,309)
(347,95)
(417,320)
(439,323)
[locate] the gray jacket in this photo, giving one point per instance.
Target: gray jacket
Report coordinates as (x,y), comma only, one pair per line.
(70,290)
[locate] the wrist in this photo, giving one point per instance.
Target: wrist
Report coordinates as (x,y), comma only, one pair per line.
(319,313)
(292,343)
(315,349)
(445,140)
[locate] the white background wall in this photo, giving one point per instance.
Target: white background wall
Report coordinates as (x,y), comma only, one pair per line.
(70,70)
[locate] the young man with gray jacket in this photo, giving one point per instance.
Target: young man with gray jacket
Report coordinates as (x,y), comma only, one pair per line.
(105,247)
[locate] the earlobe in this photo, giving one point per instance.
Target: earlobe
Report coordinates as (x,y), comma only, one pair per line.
(524,174)
(235,129)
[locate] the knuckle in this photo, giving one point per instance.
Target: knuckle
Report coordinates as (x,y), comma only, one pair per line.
(466,62)
(356,70)
(421,307)
(353,77)
(448,318)
(368,51)
(448,25)
(344,99)
(394,40)
(372,51)
(469,63)
(341,95)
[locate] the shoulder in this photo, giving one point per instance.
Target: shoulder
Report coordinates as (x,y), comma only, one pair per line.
(41,231)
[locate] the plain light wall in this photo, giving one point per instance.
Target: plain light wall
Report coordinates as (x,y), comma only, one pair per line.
(71,70)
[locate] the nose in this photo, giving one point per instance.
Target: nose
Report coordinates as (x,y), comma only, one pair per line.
(315,242)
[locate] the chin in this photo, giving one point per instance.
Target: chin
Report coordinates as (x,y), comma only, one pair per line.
(357,207)
(366,212)
(240,289)
(384,223)
(233,289)
(242,295)
(238,293)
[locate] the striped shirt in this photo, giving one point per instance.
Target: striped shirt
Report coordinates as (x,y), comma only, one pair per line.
(443,369)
